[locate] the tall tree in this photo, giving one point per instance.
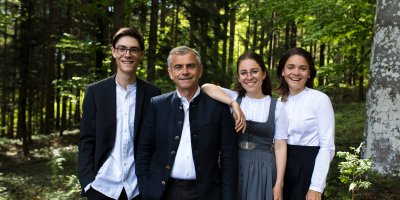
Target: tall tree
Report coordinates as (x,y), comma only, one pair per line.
(4,93)
(50,70)
(383,96)
(151,54)
(25,52)
(101,37)
(232,24)
(119,14)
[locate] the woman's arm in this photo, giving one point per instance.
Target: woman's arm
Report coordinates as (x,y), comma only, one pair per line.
(326,134)
(218,94)
(280,157)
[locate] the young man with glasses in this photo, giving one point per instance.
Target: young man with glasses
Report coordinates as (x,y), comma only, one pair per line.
(113,110)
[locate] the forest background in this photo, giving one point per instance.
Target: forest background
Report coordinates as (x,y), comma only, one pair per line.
(50,50)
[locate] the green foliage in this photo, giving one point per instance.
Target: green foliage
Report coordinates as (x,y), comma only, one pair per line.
(349,123)
(63,158)
(354,170)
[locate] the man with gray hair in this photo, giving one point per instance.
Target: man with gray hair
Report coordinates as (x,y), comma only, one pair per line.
(187,147)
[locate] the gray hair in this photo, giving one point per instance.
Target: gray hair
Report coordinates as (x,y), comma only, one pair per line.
(183,50)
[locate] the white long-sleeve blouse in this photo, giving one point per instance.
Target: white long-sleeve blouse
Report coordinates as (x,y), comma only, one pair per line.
(312,123)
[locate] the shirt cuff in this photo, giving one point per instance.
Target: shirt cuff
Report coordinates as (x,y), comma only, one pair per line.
(316,189)
(88,187)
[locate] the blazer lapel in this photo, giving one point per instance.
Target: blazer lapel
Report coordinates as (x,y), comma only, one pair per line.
(139,105)
(111,100)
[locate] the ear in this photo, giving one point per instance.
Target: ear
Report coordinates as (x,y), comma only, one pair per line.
(170,73)
(141,55)
(201,71)
(283,74)
(113,52)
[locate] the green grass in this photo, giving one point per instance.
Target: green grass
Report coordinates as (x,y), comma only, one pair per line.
(349,125)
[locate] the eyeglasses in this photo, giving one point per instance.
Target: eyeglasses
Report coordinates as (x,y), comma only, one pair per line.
(122,50)
(252,72)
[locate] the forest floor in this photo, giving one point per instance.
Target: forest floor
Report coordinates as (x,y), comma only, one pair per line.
(50,170)
(47,173)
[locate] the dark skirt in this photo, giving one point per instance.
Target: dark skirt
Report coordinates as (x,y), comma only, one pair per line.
(299,170)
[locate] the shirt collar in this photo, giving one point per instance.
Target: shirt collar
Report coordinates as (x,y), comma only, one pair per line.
(129,88)
(182,98)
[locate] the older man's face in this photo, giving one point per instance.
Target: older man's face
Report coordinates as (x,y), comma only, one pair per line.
(185,72)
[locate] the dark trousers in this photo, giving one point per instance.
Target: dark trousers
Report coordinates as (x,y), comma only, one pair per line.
(299,170)
(93,194)
(180,189)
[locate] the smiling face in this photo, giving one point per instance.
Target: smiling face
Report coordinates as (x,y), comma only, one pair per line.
(185,71)
(296,72)
(251,77)
(127,62)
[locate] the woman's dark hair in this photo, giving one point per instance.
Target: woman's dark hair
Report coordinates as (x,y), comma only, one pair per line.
(266,84)
(283,88)
(126,31)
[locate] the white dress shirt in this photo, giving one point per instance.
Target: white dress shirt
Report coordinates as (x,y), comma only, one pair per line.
(183,167)
(118,171)
(252,108)
(312,123)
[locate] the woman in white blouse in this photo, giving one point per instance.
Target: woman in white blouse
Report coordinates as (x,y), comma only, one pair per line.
(311,127)
(262,145)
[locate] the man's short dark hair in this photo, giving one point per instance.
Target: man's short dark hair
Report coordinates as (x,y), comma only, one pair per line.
(127,31)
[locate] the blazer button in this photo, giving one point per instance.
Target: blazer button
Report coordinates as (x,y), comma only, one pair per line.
(173,152)
(162,182)
(177,137)
(180,108)
(180,123)
(167,167)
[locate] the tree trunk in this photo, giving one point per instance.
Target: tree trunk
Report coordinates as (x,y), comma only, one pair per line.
(101,26)
(24,49)
(321,63)
(63,115)
(151,53)
(263,42)
(232,24)
(49,91)
(30,116)
(383,96)
(361,93)
(175,24)
(4,93)
(119,14)
(293,34)
(270,42)
(225,45)
(77,107)
(247,39)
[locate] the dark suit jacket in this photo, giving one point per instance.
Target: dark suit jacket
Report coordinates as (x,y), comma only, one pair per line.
(213,141)
(98,124)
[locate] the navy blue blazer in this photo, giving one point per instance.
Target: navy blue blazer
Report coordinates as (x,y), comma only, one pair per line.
(98,124)
(213,141)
